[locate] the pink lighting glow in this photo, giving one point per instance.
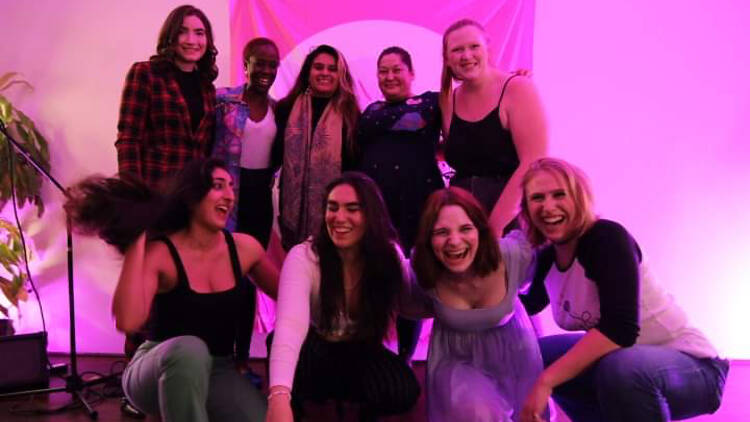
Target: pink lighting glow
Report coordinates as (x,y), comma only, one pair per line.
(651,99)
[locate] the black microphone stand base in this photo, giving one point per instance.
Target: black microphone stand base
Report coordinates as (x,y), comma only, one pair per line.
(74,385)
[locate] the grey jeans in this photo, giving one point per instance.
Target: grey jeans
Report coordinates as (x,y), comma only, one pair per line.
(179,379)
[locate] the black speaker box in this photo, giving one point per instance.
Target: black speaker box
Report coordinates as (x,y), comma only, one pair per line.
(23,362)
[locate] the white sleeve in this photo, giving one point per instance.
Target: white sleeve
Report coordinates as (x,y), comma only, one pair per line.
(292,313)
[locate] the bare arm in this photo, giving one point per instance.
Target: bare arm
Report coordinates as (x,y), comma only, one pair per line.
(528,127)
(137,285)
(253,260)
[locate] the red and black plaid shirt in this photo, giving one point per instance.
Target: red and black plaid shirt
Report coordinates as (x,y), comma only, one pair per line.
(154,135)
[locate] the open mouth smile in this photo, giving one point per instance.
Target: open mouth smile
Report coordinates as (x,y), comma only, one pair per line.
(456,255)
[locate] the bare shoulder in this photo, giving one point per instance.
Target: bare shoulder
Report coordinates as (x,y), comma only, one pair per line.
(158,258)
(248,248)
(520,87)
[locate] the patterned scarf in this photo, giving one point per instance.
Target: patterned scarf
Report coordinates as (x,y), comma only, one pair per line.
(312,159)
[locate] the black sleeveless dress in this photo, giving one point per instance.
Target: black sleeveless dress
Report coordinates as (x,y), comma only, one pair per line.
(216,318)
(482,153)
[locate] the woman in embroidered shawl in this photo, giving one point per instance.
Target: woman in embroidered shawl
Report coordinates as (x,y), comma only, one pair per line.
(315,139)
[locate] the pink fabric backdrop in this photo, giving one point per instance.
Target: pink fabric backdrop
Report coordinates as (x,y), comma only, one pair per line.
(510,23)
(295,25)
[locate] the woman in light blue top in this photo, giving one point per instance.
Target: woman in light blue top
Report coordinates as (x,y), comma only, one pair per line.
(483,357)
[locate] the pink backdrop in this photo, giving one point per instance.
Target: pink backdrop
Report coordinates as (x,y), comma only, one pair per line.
(361,31)
(289,22)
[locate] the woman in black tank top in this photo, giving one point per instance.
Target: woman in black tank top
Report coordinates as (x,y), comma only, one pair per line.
(181,267)
(493,123)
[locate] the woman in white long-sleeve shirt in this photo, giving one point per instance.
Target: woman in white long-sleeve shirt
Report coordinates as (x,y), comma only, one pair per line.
(338,294)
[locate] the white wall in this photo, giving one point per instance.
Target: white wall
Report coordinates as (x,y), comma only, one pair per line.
(651,99)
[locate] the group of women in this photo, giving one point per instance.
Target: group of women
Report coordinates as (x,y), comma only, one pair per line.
(372,234)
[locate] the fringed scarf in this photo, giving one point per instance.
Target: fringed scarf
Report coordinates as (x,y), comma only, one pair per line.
(312,159)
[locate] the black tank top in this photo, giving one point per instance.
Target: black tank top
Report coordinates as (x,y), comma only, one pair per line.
(212,317)
(482,148)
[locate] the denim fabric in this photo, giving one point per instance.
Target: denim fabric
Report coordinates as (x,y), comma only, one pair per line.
(180,380)
(640,383)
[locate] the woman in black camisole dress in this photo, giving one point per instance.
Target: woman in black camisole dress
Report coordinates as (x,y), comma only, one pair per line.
(493,123)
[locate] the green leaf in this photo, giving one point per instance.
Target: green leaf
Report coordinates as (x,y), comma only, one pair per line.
(6,81)
(6,78)
(29,182)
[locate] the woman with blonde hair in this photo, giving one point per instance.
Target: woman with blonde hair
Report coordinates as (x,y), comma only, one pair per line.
(639,359)
(493,122)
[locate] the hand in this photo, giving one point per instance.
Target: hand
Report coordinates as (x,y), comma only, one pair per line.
(279,409)
(536,402)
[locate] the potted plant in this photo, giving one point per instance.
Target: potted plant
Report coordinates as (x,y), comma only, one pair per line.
(27,182)
(12,261)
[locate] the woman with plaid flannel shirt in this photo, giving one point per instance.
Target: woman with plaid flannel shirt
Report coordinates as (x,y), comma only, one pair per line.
(167,108)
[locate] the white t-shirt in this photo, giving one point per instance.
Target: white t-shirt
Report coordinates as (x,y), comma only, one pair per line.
(257,141)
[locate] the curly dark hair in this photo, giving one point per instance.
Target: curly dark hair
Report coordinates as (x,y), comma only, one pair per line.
(424,261)
(382,275)
(118,210)
(170,30)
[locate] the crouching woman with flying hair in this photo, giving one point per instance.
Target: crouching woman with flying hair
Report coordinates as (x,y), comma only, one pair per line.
(187,270)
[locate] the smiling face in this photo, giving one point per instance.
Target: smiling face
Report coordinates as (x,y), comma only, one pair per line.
(213,210)
(191,43)
(324,75)
(261,67)
(455,239)
(551,207)
(345,220)
(394,78)
(466,52)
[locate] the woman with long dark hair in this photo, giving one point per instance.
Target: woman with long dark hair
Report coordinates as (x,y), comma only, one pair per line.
(338,293)
(315,139)
(639,359)
(483,356)
(182,266)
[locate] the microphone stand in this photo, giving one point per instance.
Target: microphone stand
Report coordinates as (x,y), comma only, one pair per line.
(74,384)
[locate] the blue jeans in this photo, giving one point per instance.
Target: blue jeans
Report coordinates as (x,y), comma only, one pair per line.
(639,383)
(179,379)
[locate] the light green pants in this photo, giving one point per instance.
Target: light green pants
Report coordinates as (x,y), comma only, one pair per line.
(179,379)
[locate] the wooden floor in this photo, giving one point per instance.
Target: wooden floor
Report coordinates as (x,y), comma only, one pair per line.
(105,398)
